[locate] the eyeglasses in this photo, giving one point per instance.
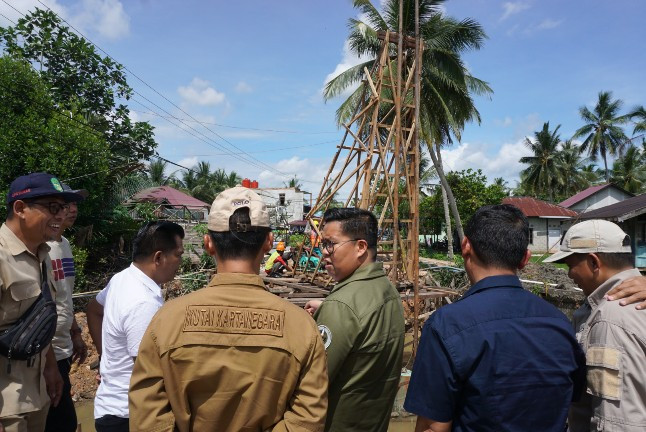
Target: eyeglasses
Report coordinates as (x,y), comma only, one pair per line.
(331,246)
(53,207)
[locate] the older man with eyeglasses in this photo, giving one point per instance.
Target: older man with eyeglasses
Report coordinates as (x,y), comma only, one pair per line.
(361,322)
(36,208)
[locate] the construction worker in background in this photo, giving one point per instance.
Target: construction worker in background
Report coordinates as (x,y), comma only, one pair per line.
(314,237)
(277,262)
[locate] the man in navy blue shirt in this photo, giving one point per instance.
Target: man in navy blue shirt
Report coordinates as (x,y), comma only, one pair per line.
(500,358)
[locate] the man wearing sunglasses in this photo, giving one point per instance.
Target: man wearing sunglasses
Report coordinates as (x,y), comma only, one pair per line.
(361,322)
(36,208)
(68,344)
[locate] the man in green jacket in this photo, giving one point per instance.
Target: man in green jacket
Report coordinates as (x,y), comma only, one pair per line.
(362,325)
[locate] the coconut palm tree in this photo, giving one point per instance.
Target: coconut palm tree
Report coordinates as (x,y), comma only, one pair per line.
(542,174)
(629,171)
(571,166)
(157,173)
(446,103)
(602,130)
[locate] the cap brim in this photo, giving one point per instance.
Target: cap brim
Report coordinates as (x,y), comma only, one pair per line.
(557,257)
(82,192)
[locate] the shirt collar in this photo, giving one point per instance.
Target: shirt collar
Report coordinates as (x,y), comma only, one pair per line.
(493,282)
(16,246)
(146,280)
(367,271)
(238,279)
(597,295)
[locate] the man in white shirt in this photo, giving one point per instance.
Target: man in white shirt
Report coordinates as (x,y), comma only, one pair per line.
(68,344)
(119,316)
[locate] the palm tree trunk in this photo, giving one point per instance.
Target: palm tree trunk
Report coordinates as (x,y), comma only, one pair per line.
(605,163)
(445,185)
(447,220)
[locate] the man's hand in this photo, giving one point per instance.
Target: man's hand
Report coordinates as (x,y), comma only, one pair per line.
(79,352)
(53,379)
(312,305)
(630,291)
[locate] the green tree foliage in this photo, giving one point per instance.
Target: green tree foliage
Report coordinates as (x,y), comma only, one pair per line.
(80,81)
(471,192)
(543,174)
(36,136)
(629,171)
(204,184)
(603,130)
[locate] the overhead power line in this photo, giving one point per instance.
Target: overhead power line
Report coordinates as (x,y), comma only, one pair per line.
(269,167)
(242,127)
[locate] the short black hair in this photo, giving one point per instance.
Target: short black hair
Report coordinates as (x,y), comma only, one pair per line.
(155,236)
(617,260)
(356,223)
(239,245)
(499,235)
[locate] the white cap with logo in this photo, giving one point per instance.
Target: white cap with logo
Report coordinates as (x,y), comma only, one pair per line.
(596,235)
(230,200)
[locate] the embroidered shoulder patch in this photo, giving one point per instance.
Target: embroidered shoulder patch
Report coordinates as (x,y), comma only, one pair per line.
(326,335)
(227,319)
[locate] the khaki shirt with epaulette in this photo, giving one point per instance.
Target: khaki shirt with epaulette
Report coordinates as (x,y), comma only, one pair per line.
(613,338)
(22,390)
(362,324)
(230,357)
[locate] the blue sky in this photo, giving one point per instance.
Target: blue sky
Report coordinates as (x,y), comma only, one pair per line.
(260,66)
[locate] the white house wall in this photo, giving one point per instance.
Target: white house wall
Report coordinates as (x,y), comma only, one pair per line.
(294,200)
(603,198)
(541,228)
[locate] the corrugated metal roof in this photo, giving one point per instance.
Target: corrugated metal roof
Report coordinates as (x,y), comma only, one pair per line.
(532,207)
(587,193)
(167,194)
(619,211)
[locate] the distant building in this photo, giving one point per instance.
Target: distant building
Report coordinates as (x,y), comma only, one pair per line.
(284,204)
(596,197)
(630,215)
(547,222)
(171,204)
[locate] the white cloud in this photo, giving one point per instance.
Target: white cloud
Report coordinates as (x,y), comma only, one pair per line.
(349,60)
(188,162)
(503,163)
(506,122)
(105,17)
(310,172)
(199,92)
(548,24)
(513,8)
(243,87)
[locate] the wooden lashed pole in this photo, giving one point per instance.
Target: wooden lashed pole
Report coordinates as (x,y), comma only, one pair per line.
(414,198)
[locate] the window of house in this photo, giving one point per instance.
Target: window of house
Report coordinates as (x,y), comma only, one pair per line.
(281,199)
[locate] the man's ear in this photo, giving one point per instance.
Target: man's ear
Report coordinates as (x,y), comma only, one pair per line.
(594,262)
(525,260)
(209,247)
(157,258)
(362,248)
(269,242)
(19,208)
(465,247)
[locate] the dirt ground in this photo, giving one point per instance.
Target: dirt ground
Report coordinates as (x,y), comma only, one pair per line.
(83,378)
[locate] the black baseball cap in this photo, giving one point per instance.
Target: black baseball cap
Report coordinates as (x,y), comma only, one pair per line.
(40,184)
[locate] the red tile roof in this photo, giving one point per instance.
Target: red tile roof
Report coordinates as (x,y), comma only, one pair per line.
(532,207)
(169,195)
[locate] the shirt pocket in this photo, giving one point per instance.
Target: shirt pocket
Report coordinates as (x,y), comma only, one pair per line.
(21,292)
(604,372)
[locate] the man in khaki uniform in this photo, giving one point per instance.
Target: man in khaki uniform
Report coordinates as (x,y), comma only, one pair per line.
(599,257)
(36,206)
(362,324)
(231,356)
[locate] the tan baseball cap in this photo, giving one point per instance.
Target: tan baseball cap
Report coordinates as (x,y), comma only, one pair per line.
(233,199)
(591,236)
